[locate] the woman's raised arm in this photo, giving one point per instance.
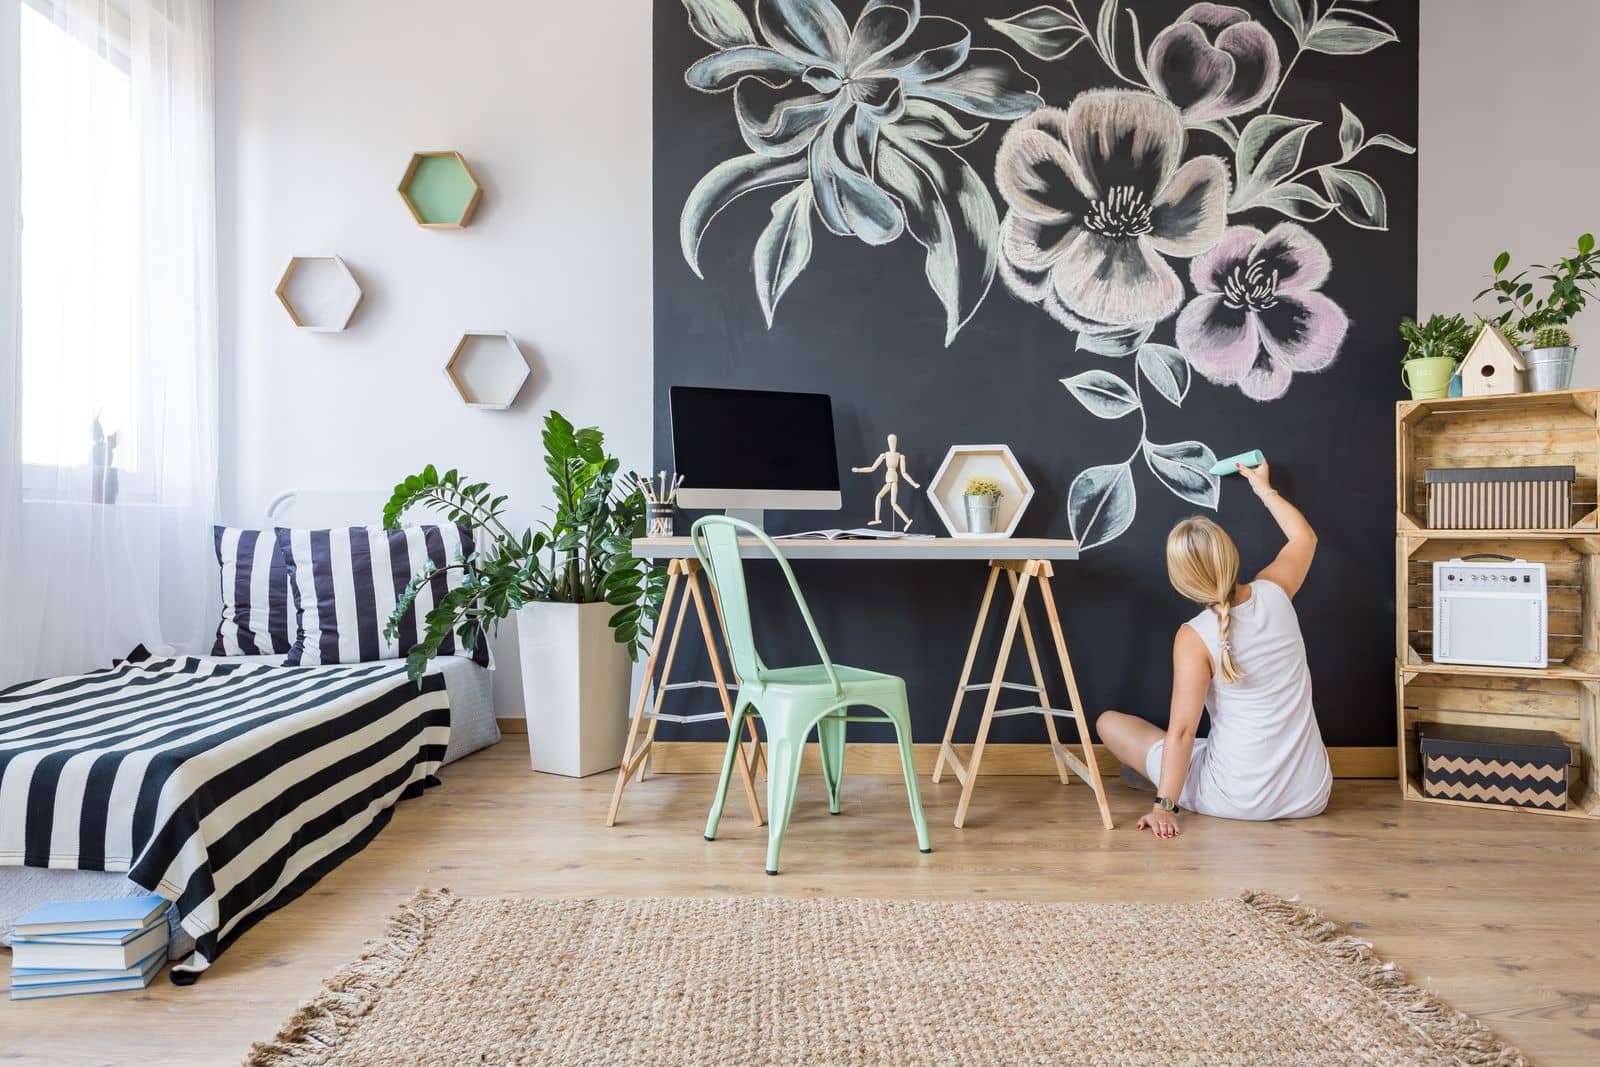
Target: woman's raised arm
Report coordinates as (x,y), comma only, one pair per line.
(1288,571)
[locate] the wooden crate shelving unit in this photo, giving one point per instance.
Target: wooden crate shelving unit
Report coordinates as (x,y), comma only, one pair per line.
(1524,429)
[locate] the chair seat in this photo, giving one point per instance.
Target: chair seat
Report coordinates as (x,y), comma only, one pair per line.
(859,685)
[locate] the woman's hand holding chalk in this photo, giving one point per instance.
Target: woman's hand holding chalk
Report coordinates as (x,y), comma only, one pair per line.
(1231,465)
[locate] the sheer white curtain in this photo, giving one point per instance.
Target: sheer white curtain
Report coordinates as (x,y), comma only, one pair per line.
(109,396)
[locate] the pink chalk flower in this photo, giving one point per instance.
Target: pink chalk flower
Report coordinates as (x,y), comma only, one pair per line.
(1215,61)
(1257,318)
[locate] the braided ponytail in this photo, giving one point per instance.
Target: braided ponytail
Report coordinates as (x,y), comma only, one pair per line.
(1203,565)
(1227,669)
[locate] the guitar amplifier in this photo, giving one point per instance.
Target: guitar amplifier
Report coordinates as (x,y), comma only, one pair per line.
(1490,612)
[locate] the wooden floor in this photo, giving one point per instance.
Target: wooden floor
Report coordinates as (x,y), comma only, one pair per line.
(1497,912)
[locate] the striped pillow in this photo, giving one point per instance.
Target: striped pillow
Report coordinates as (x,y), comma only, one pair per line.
(256,600)
(346,582)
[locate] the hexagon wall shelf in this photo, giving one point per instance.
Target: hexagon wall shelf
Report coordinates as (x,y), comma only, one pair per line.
(319,293)
(994,461)
(440,191)
(488,370)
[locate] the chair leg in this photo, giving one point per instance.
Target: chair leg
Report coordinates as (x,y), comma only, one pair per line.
(783,774)
(901,717)
(830,742)
(739,714)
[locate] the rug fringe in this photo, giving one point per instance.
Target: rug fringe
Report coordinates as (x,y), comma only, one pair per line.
(314,1031)
(1457,1035)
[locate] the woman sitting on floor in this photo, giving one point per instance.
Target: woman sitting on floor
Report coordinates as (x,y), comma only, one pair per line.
(1242,656)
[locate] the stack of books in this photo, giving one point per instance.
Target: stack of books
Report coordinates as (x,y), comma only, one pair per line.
(88,946)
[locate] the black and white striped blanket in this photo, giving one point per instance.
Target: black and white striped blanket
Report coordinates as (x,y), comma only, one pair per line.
(228,788)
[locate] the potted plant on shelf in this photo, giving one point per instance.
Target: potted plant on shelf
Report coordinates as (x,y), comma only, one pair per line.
(584,603)
(1524,316)
(982,498)
(1432,349)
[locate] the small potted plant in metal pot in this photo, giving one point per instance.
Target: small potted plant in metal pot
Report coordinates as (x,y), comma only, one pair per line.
(982,497)
(1551,355)
(1432,349)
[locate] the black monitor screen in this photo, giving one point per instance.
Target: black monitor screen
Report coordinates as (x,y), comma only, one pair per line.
(753,439)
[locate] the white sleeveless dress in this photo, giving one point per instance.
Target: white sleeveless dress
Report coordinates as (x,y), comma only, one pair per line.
(1264,758)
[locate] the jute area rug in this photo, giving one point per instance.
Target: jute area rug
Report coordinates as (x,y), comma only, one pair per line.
(1249,980)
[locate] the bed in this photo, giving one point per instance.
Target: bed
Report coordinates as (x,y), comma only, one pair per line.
(265,778)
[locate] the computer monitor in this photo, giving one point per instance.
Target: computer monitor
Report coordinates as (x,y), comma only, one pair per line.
(749,450)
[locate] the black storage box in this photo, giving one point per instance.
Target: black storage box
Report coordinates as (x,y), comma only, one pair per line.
(1499,498)
(1486,765)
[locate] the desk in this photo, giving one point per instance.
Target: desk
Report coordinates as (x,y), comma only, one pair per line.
(1027,563)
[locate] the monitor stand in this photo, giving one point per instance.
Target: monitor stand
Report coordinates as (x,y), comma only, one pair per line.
(754,516)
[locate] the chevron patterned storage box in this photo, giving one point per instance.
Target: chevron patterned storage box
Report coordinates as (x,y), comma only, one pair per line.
(1518,768)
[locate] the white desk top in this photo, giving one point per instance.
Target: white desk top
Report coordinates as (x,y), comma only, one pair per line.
(920,548)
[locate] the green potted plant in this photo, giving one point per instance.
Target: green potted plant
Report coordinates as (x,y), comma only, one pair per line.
(1432,350)
(982,498)
(584,603)
(1525,316)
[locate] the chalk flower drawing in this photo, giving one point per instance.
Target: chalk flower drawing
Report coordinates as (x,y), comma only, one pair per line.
(856,124)
(1092,220)
(1215,61)
(1258,318)
(1097,200)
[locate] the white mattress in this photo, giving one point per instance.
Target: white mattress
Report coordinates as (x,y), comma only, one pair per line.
(472,727)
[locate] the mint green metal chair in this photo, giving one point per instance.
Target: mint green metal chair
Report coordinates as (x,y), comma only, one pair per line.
(793,700)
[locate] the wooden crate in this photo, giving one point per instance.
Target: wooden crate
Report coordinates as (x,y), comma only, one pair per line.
(1467,696)
(1572,575)
(1518,430)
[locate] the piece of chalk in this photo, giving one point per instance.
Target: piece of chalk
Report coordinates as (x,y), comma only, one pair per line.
(1231,465)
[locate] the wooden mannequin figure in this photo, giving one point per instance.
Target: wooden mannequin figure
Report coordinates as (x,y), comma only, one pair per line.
(893,462)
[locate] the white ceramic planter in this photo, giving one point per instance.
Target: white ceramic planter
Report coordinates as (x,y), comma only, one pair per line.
(575,681)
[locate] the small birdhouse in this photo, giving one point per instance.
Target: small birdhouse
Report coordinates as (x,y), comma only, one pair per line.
(1492,366)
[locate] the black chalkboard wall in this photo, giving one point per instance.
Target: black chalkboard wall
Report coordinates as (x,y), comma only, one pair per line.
(956,205)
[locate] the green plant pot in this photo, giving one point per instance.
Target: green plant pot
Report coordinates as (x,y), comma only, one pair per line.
(1428,379)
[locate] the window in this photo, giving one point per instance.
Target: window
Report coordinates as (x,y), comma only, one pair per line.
(79,222)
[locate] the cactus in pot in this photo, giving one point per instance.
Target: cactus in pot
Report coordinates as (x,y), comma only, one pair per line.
(1552,337)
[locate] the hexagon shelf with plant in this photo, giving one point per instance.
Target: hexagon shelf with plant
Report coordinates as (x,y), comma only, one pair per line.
(488,370)
(440,191)
(319,293)
(964,462)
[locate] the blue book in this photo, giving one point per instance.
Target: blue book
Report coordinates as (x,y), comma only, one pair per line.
(135,977)
(94,937)
(91,916)
(37,976)
(68,955)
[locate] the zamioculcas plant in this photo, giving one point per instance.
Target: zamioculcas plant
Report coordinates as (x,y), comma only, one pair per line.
(581,555)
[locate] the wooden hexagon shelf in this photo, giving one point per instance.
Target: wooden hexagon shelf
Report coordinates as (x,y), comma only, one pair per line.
(488,370)
(440,191)
(993,461)
(319,293)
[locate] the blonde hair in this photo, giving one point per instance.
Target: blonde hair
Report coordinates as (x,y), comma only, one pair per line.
(1203,565)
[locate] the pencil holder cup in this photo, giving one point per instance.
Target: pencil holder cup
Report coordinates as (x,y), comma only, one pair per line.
(658,519)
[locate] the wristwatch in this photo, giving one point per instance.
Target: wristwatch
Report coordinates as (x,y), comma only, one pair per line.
(1168,806)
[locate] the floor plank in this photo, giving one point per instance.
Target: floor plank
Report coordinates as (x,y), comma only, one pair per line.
(1495,913)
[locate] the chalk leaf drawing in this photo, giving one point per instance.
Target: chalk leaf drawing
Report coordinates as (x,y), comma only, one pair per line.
(1107,196)
(863,119)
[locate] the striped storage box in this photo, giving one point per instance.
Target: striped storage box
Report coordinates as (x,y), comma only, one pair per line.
(1518,768)
(1500,498)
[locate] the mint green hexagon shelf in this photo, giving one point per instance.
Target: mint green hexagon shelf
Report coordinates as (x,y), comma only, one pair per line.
(440,191)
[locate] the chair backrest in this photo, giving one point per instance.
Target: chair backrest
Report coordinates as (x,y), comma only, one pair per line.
(716,543)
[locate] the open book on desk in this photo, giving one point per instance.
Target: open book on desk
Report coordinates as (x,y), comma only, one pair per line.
(859,534)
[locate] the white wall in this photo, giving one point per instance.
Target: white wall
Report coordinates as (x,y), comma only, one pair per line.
(1509,153)
(319,107)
